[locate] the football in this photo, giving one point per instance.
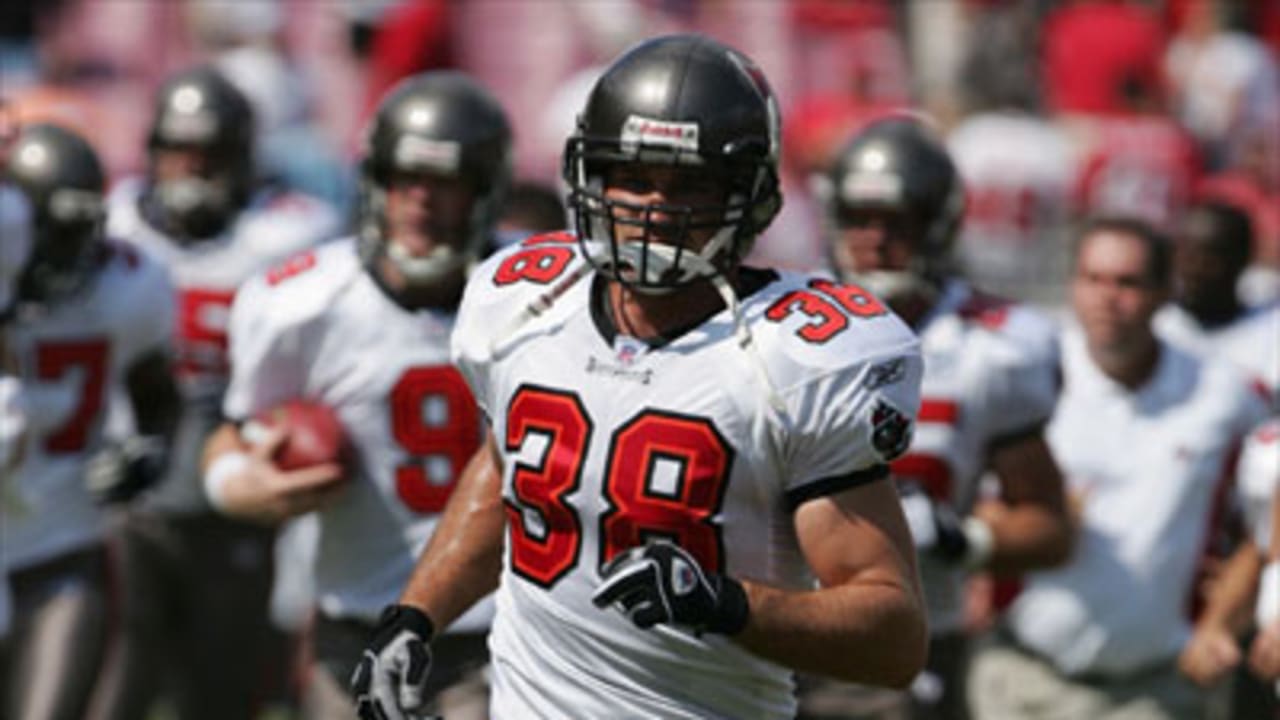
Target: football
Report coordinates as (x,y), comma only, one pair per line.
(314,434)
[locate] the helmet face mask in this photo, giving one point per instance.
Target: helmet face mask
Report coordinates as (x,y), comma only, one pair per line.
(691,108)
(440,134)
(63,182)
(200,156)
(893,202)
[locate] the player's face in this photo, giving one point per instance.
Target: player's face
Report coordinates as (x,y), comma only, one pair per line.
(649,200)
(177,163)
(1204,275)
(427,211)
(871,240)
(1113,296)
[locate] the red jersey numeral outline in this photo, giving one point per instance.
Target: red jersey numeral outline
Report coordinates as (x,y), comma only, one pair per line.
(828,305)
(54,359)
(456,439)
(637,509)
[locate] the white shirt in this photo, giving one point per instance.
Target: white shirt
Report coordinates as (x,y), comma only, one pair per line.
(991,372)
(1258,481)
(206,274)
(1251,342)
(73,355)
(319,327)
(607,442)
(1146,465)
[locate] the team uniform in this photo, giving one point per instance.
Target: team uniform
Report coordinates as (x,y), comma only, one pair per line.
(607,441)
(320,327)
(1249,343)
(1258,482)
(72,354)
(12,429)
(193,577)
(991,377)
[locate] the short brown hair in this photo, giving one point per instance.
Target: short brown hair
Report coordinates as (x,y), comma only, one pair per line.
(1159,249)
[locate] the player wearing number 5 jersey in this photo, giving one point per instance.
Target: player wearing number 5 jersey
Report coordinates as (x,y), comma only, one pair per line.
(362,325)
(685,493)
(191,577)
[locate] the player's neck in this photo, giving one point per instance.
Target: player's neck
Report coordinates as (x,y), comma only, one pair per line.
(1215,315)
(651,317)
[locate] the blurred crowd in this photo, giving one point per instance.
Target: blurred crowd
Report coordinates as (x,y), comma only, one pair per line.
(1164,112)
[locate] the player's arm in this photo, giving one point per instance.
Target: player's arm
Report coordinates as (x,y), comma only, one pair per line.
(1029,523)
(866,622)
(463,560)
(1213,650)
(154,396)
(241,480)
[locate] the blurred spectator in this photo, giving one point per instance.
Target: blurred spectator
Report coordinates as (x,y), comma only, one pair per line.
(1207,316)
(1092,47)
(1217,76)
(1144,433)
(408,38)
(531,208)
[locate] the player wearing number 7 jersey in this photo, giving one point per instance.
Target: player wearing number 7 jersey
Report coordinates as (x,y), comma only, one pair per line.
(362,325)
(685,493)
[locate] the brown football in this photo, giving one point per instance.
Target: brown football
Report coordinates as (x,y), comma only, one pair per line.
(314,434)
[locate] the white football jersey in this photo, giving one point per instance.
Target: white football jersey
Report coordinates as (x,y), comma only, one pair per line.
(991,374)
(607,441)
(206,273)
(319,327)
(1145,466)
(72,355)
(1258,481)
(1251,343)
(13,427)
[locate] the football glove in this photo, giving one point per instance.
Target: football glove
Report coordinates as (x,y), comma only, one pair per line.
(938,530)
(390,681)
(662,583)
(122,470)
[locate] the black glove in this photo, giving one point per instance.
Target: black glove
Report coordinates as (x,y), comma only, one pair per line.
(123,470)
(939,530)
(389,682)
(662,583)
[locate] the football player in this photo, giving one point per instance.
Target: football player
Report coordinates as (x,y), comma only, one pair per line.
(894,202)
(196,583)
(684,494)
(362,325)
(91,317)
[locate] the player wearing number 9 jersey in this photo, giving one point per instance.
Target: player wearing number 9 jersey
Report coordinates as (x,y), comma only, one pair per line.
(362,326)
(685,494)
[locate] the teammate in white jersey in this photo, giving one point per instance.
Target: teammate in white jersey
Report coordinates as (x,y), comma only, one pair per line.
(893,204)
(1145,433)
(683,496)
(196,583)
(92,317)
(1214,246)
(362,325)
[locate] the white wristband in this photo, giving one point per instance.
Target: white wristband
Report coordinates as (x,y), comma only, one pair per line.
(1268,606)
(982,542)
(220,473)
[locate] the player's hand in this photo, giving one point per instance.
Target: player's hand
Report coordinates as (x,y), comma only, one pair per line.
(1264,653)
(121,471)
(262,491)
(1209,655)
(390,681)
(662,583)
(935,526)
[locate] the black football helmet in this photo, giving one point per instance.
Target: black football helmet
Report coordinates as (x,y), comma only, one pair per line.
(438,123)
(200,110)
(897,165)
(64,183)
(680,100)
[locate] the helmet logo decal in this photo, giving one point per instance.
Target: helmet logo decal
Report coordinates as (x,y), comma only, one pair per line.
(648,131)
(871,187)
(417,153)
